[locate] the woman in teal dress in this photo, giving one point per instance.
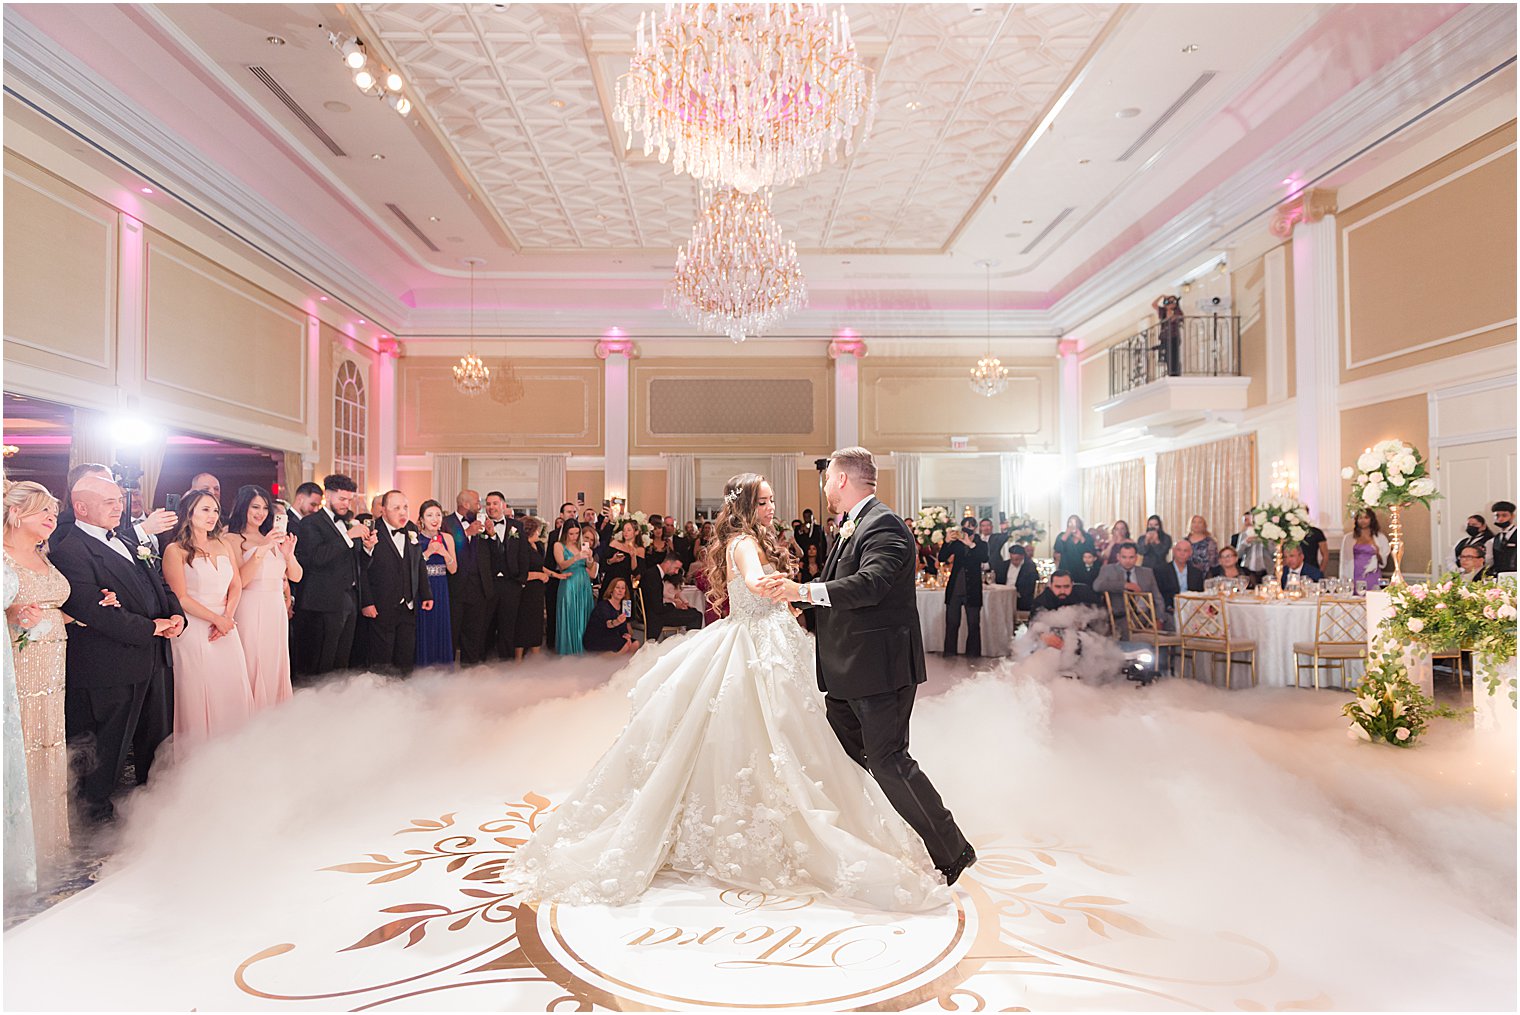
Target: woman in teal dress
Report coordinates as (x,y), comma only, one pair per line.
(577,567)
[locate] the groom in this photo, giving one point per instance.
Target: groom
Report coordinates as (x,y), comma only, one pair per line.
(871,653)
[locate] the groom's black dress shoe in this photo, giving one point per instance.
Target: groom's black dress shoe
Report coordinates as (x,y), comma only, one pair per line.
(958,865)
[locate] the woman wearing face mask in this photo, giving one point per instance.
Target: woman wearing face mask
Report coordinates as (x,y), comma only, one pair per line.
(1479,535)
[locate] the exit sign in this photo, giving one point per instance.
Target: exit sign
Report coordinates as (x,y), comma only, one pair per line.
(959,443)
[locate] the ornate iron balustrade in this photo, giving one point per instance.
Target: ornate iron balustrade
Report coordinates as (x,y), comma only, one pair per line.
(1205,346)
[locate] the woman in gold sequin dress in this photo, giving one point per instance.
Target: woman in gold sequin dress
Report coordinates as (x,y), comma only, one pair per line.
(38,639)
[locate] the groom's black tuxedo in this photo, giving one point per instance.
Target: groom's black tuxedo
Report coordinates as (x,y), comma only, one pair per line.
(870,660)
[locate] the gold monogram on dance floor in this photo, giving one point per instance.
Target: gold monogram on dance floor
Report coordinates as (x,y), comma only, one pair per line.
(1034,926)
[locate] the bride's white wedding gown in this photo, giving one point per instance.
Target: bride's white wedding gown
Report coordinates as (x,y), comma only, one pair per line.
(728,768)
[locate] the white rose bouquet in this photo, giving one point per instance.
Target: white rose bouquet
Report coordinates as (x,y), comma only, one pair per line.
(930,524)
(1479,616)
(1390,473)
(1024,530)
(1280,520)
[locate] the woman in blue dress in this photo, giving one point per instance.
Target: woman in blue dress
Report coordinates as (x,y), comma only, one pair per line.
(577,567)
(435,646)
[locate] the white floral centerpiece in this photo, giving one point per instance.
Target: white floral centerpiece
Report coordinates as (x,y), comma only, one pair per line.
(1391,474)
(1025,530)
(1389,706)
(930,524)
(1281,520)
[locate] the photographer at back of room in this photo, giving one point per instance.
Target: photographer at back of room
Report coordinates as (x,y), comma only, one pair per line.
(1169,336)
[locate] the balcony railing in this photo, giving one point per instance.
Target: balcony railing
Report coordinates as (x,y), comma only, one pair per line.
(1206,346)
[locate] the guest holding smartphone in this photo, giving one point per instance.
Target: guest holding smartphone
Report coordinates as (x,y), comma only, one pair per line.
(435,639)
(267,551)
(577,564)
(607,630)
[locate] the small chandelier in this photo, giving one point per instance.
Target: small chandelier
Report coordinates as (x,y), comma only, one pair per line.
(737,276)
(471,377)
(506,387)
(989,377)
(746,95)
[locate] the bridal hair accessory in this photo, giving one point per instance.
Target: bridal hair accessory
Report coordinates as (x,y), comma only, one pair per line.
(732,497)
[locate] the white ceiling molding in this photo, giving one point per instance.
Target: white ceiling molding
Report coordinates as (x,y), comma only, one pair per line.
(1471,42)
(40,72)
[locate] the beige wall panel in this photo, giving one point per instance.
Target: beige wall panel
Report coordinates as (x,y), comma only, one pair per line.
(1406,419)
(417,484)
(60,275)
(216,342)
(807,490)
(886,487)
(1092,383)
(918,405)
(592,481)
(725,404)
(1428,265)
(1249,282)
(561,410)
(646,490)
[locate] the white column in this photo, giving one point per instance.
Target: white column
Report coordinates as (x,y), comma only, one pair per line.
(615,423)
(316,387)
(1070,405)
(908,496)
(383,410)
(1317,343)
(131,347)
(846,402)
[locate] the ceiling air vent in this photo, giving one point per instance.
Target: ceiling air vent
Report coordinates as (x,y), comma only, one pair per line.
(1171,111)
(1061,217)
(394,210)
(299,113)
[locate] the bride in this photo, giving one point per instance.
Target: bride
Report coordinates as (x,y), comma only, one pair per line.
(728,768)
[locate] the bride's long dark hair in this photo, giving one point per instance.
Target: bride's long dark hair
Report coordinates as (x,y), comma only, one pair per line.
(741,498)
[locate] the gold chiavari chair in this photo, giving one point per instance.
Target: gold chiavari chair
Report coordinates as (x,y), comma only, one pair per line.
(1108,614)
(1145,624)
(1454,654)
(1340,635)
(1204,625)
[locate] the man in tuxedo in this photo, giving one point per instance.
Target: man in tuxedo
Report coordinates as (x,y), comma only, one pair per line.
(812,533)
(509,573)
(1126,575)
(1502,546)
(1294,564)
(654,579)
(398,587)
(470,586)
(155,721)
(1022,575)
(116,654)
(963,591)
(870,654)
(331,551)
(1180,575)
(308,498)
(995,542)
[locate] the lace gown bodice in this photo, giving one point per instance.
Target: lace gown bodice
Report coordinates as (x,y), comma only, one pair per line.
(728,769)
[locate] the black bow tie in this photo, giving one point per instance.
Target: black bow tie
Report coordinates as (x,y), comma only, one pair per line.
(111,534)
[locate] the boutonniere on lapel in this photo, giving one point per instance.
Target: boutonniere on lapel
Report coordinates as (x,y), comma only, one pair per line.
(411,537)
(846,530)
(511,533)
(145,554)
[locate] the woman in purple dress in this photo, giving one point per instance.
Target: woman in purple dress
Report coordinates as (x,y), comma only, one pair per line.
(1364,550)
(435,645)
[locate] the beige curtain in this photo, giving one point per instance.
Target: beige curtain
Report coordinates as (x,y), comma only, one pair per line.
(295,475)
(783,479)
(1114,491)
(448,482)
(551,483)
(152,462)
(681,485)
(1216,480)
(906,478)
(91,440)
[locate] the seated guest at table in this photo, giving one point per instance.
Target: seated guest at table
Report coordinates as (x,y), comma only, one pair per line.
(1155,543)
(672,610)
(1295,565)
(1023,575)
(1180,575)
(1364,550)
(1229,566)
(1086,571)
(1127,574)
(1118,535)
(1062,591)
(1470,565)
(1479,535)
(607,630)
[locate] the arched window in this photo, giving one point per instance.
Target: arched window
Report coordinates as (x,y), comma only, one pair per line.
(350,417)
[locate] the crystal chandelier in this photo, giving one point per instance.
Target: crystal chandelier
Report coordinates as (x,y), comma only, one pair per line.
(747,95)
(471,376)
(737,276)
(506,388)
(989,377)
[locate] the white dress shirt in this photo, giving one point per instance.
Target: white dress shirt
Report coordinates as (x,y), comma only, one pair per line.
(342,529)
(817,592)
(398,536)
(106,536)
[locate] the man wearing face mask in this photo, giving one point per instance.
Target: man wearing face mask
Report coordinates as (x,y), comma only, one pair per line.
(1502,546)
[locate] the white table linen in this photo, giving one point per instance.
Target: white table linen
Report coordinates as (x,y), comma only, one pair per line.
(1275,626)
(998,624)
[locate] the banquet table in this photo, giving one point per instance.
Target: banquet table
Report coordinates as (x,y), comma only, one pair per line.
(998,623)
(1274,625)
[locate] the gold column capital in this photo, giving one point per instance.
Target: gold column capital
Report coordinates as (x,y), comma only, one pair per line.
(1306,206)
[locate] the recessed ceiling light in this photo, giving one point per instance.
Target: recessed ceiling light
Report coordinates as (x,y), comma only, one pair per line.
(334,106)
(1083,162)
(914,106)
(378,157)
(862,218)
(1127,113)
(557,103)
(363,321)
(433,218)
(1012,236)
(147,190)
(1191,47)
(274,40)
(846,262)
(322,298)
(1029,222)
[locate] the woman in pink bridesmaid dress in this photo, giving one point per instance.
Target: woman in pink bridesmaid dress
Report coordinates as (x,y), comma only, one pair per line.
(211,691)
(268,557)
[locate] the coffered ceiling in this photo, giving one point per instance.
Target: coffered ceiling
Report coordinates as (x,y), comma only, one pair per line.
(1088,149)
